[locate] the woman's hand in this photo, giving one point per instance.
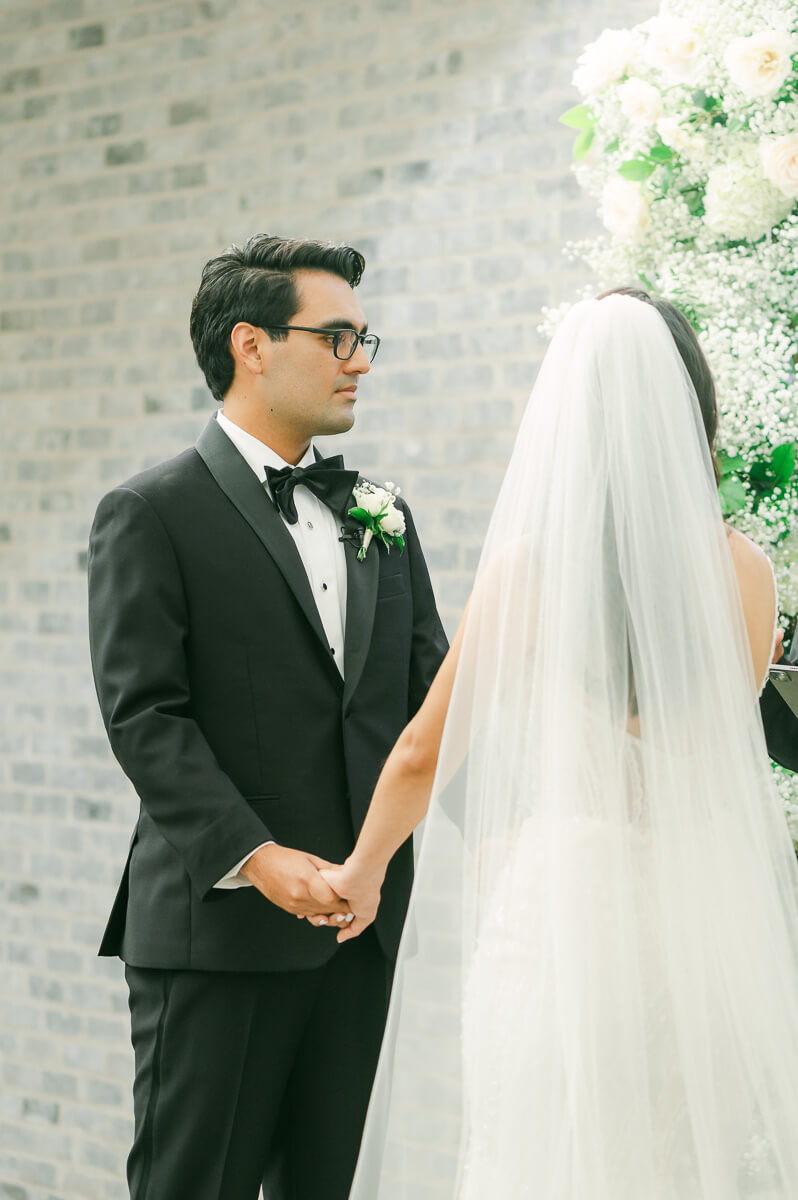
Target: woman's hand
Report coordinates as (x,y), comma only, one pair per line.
(360,888)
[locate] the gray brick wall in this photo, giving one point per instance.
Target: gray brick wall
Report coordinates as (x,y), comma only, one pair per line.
(137,139)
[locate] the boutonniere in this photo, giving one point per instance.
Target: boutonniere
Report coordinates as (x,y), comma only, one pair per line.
(376,510)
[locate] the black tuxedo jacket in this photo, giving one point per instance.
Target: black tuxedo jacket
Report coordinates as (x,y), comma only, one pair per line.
(226,710)
(780,722)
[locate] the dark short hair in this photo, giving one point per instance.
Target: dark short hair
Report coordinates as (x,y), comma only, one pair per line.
(256,284)
(692,356)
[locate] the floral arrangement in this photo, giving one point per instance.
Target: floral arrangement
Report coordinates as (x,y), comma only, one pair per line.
(376,510)
(687,137)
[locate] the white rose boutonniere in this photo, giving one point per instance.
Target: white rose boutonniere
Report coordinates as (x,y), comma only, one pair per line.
(376,510)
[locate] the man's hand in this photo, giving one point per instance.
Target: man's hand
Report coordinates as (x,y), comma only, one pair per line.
(291,880)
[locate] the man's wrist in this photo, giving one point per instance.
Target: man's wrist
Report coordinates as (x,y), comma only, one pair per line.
(247,866)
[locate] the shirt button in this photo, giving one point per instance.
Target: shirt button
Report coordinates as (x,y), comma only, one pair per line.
(324,587)
(332,649)
(310,524)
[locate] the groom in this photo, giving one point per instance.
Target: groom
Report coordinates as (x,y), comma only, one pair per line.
(253,674)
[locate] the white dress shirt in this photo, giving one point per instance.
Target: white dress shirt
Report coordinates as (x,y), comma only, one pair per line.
(316,535)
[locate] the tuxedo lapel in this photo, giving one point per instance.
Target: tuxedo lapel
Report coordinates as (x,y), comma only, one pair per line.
(239,484)
(361,600)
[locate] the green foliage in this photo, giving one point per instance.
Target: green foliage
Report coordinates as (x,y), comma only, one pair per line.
(578,117)
(583,143)
(732,490)
(661,153)
(637,169)
(694,199)
(770,473)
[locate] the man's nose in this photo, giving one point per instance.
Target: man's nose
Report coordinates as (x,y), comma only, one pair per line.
(358,363)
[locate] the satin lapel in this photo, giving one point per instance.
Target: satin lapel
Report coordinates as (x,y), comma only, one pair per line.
(361,600)
(239,484)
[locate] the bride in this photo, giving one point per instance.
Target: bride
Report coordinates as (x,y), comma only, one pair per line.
(597,989)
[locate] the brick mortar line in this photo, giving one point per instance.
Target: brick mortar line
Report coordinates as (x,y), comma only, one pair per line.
(394,158)
(90,268)
(77,1006)
(105,19)
(132,9)
(297,210)
(131,263)
(125,171)
(22,1122)
(476,41)
(440,85)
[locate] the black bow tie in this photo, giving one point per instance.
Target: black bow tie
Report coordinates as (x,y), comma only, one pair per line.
(326,478)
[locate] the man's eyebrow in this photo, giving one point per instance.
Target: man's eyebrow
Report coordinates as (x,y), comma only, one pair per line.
(342,323)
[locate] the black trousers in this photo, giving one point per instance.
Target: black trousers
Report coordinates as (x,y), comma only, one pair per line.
(250,1078)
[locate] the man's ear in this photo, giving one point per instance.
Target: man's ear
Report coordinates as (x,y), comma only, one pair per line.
(250,347)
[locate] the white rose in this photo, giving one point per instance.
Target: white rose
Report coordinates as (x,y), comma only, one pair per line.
(372,502)
(625,209)
(674,48)
(780,160)
(641,102)
(740,202)
(760,64)
(393,522)
(604,61)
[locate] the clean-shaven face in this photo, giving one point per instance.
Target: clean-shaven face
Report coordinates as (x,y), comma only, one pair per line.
(305,386)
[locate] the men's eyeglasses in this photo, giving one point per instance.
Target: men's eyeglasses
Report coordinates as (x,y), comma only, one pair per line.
(344,341)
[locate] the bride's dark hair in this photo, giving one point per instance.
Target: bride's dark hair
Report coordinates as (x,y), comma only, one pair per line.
(692,356)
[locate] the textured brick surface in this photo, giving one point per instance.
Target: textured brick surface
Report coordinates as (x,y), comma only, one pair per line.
(137,139)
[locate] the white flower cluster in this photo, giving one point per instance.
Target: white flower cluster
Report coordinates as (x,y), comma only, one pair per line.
(379,503)
(688,141)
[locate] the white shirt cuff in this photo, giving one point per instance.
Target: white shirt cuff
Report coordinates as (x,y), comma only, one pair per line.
(233,879)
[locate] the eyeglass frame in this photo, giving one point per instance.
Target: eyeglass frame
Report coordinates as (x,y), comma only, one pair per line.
(335,334)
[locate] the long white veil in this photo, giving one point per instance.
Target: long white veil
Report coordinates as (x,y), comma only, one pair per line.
(597,991)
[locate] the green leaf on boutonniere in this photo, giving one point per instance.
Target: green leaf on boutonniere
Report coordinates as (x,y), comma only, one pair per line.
(360,514)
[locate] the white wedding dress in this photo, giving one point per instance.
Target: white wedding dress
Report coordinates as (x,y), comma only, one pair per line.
(597,990)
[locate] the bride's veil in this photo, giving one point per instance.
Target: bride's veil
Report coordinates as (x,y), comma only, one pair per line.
(597,989)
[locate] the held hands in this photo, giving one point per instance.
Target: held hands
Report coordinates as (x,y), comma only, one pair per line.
(362,890)
(292,880)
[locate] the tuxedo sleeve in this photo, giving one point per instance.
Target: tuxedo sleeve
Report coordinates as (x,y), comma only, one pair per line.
(430,643)
(138,628)
(781,723)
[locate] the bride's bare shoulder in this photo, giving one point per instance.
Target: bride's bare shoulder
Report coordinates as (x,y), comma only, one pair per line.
(758,595)
(750,560)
